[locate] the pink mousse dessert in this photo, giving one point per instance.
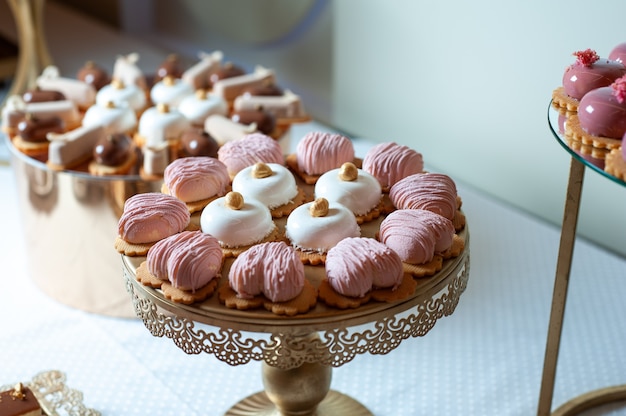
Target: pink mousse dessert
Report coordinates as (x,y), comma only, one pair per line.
(152,216)
(356,265)
(196,178)
(618,53)
(188,260)
(272,269)
(416,234)
(434,192)
(248,150)
(318,152)
(590,72)
(391,162)
(602,112)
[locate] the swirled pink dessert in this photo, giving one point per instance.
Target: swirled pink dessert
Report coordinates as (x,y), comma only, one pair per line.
(319,152)
(602,112)
(248,150)
(355,265)
(189,260)
(273,269)
(152,216)
(196,178)
(390,162)
(416,234)
(590,72)
(434,192)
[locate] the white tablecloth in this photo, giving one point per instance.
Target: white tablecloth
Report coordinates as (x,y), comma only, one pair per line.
(485,359)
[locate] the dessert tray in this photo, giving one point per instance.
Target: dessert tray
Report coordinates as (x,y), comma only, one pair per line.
(55,397)
(299,350)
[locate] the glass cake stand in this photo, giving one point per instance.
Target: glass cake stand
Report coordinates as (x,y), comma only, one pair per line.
(299,352)
(582,157)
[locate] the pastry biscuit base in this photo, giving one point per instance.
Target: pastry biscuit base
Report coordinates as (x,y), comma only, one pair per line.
(302,303)
(456,248)
(459,220)
(314,258)
(561,100)
(130,249)
(195,206)
(332,298)
(404,290)
(575,132)
(615,164)
(372,214)
(30,148)
(292,163)
(286,209)
(186,297)
(235,251)
(98,169)
(424,269)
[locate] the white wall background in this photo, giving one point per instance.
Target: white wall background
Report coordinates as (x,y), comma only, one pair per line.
(466,83)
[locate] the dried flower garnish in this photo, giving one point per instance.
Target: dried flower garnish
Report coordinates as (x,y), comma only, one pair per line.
(619,89)
(586,57)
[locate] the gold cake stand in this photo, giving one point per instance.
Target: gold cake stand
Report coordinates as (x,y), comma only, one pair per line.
(299,352)
(582,157)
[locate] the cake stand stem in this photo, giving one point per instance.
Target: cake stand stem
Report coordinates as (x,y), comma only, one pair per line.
(561,282)
(300,391)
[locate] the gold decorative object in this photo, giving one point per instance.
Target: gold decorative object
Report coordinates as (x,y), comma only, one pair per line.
(302,350)
(559,296)
(54,397)
(33,51)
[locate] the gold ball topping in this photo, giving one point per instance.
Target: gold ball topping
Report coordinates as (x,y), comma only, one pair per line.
(202,94)
(117,84)
(348,172)
(110,104)
(169,81)
(261,170)
(163,108)
(319,207)
(18,392)
(234,200)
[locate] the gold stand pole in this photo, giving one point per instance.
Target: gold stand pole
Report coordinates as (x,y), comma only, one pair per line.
(33,52)
(559,297)
(300,391)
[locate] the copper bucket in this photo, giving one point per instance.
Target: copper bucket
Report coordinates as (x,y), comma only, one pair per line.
(70,223)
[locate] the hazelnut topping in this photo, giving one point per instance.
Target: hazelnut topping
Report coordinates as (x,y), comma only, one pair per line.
(234,200)
(319,207)
(348,172)
(261,170)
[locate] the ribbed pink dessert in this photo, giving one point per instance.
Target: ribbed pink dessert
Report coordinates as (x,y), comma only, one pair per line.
(390,162)
(590,72)
(248,150)
(434,192)
(150,217)
(602,112)
(355,265)
(318,152)
(416,234)
(196,178)
(273,269)
(189,260)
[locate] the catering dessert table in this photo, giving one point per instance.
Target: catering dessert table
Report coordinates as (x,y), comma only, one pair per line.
(581,158)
